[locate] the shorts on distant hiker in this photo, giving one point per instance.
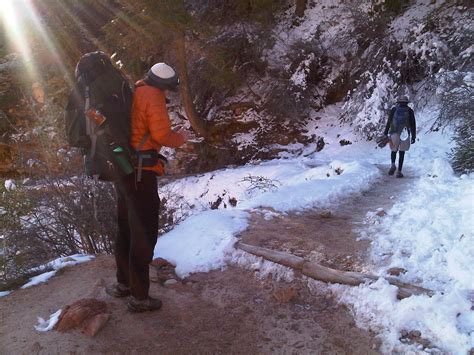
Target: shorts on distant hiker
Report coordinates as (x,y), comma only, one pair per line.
(396,144)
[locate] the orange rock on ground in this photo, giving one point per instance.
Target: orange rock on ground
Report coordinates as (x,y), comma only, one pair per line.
(83,313)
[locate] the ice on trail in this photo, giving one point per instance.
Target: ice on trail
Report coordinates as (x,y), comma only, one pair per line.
(47,325)
(4,293)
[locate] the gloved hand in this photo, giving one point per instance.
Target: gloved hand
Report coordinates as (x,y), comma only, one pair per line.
(413,141)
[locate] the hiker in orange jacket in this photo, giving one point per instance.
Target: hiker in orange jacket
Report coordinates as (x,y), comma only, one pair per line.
(138,200)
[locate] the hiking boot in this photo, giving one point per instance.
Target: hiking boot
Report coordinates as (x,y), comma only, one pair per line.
(392,170)
(117,290)
(399,174)
(146,305)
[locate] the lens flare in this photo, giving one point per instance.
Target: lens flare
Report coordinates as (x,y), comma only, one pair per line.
(45,36)
(13,25)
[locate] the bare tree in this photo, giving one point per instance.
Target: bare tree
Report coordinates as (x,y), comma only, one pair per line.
(198,124)
(300,7)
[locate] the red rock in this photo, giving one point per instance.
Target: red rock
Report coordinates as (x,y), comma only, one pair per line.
(164,271)
(92,326)
(160,262)
(75,314)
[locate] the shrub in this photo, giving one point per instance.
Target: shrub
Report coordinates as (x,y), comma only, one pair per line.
(456,93)
(53,218)
(463,154)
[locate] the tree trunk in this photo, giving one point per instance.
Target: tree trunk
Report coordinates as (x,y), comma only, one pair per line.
(325,274)
(300,7)
(198,124)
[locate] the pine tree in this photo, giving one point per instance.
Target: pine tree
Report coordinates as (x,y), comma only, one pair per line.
(457,101)
(463,152)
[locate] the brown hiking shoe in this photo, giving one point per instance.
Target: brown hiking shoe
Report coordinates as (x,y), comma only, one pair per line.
(117,290)
(146,305)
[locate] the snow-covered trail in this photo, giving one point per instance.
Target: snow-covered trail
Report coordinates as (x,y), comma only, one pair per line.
(206,238)
(329,234)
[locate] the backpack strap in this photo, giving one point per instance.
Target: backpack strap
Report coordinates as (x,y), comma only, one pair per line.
(87,105)
(140,157)
(89,127)
(92,132)
(142,141)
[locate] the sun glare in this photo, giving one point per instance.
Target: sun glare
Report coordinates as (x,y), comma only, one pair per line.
(22,25)
(13,26)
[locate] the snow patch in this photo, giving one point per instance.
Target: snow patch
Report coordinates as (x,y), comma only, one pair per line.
(36,280)
(262,268)
(47,325)
(4,293)
(201,242)
(10,185)
(56,265)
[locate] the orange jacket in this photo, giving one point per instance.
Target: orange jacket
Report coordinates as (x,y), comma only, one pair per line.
(149,114)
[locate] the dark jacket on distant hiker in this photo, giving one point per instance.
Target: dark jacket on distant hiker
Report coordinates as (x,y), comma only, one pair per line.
(397,140)
(138,200)
(411,121)
(401,130)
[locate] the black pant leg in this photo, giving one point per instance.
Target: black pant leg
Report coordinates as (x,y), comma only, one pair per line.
(393,157)
(401,158)
(143,219)
(122,239)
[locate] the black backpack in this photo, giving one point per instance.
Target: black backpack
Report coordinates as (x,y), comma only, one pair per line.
(400,118)
(98,117)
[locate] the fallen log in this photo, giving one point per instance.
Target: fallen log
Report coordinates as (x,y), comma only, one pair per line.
(326,274)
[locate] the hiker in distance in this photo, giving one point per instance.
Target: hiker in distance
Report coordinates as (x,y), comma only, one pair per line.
(138,200)
(401,131)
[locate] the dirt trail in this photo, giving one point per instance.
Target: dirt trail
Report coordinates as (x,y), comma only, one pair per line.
(229,311)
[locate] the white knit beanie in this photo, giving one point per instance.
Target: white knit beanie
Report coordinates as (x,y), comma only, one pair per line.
(163,71)
(162,76)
